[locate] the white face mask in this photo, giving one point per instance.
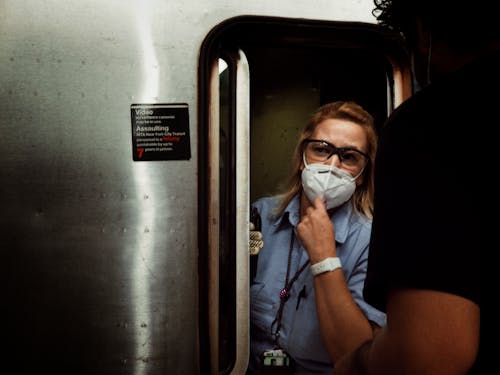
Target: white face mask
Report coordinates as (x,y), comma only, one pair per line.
(333,185)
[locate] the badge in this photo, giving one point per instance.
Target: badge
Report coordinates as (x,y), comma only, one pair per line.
(276,361)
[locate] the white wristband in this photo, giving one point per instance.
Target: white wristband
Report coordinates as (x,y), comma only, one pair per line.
(326,265)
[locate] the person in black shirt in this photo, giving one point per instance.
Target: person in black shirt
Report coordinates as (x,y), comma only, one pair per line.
(433,163)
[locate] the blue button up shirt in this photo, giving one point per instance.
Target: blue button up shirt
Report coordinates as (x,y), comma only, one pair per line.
(300,332)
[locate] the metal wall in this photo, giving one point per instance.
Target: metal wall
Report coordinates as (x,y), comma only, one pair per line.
(98,251)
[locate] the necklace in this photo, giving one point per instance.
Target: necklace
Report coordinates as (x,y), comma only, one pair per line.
(285,292)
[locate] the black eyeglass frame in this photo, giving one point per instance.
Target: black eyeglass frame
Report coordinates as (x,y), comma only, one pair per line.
(336,150)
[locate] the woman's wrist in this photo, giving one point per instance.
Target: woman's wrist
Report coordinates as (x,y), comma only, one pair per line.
(322,255)
(327,265)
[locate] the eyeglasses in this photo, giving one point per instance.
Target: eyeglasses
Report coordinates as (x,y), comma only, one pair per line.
(317,150)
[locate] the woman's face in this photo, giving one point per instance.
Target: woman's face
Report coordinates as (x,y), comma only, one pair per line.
(342,133)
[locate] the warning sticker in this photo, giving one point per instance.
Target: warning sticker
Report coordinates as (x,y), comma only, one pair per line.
(160,132)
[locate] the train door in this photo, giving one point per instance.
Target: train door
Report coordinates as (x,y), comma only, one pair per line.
(259,79)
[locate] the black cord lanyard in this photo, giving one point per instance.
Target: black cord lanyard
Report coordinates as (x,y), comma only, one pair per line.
(285,292)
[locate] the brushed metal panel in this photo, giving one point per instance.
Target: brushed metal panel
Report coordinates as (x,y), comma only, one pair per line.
(99,251)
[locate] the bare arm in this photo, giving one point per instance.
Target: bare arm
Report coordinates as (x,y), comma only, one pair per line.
(343,325)
(427,333)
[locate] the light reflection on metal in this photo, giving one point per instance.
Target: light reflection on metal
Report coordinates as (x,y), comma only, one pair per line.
(143,248)
(150,65)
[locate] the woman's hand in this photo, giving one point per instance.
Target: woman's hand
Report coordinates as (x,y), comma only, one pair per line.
(316,232)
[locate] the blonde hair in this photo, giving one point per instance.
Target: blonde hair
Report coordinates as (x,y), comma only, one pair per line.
(362,199)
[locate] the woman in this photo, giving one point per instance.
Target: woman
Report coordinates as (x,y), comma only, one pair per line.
(307,308)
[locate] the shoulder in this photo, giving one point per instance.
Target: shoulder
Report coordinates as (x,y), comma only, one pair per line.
(411,111)
(362,226)
(360,223)
(267,207)
(265,203)
(351,226)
